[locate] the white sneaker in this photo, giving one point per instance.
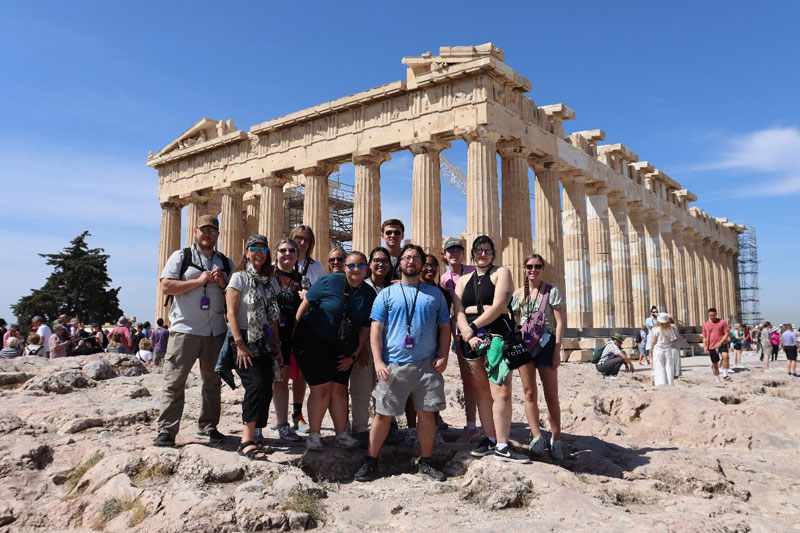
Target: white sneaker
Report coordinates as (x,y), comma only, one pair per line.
(344,440)
(313,442)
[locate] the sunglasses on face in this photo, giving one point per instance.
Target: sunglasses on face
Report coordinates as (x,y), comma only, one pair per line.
(287,251)
(380,261)
(356,266)
(431,266)
(210,230)
(534,266)
(262,249)
(336,260)
(484,251)
(411,259)
(392,233)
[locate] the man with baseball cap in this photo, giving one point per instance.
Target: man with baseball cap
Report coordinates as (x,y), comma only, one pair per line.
(613,358)
(197,330)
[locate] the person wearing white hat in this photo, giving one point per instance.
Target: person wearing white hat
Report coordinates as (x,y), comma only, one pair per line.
(665,335)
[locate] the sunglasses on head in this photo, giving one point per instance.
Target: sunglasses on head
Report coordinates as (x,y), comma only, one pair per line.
(392,232)
(209,230)
(262,249)
(534,266)
(356,266)
(336,260)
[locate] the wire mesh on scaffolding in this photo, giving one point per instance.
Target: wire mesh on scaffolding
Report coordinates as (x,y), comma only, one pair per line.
(749,301)
(340,209)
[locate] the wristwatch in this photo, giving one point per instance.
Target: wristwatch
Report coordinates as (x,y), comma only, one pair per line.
(473,327)
(354,357)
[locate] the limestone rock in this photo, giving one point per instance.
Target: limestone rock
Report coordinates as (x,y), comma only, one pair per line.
(10,379)
(59,382)
(79,424)
(495,485)
(98,369)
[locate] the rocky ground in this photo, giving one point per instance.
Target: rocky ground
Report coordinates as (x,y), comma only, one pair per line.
(76,433)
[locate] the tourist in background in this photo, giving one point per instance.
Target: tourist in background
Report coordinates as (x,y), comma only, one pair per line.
(59,341)
(137,337)
(115,344)
(336,306)
(145,351)
(392,232)
(613,357)
(43,331)
(362,376)
(454,260)
(336,260)
(775,340)
(748,339)
(481,306)
(13,331)
(765,340)
(676,351)
(716,335)
(642,342)
(160,338)
(649,323)
(11,349)
(124,331)
(665,336)
(253,320)
(34,346)
(737,343)
(289,297)
(789,343)
(533,299)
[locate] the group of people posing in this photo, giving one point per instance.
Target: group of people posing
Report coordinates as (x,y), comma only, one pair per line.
(375,331)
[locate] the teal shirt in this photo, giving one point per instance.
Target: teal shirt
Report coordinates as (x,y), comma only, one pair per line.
(326,297)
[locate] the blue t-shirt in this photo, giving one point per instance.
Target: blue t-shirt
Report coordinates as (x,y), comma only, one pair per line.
(392,310)
(326,297)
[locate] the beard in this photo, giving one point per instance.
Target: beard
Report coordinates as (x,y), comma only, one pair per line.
(410,271)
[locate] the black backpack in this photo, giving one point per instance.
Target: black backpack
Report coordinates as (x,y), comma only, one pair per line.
(186,262)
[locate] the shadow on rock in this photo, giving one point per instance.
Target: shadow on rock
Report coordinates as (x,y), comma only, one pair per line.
(590,455)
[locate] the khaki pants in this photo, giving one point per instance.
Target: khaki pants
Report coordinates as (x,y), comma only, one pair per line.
(362,381)
(183,350)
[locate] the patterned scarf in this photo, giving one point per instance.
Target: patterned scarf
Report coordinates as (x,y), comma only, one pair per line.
(262,307)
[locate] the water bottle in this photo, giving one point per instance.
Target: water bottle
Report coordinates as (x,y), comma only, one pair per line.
(277,374)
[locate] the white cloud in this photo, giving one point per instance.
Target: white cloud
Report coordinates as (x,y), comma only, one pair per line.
(774,152)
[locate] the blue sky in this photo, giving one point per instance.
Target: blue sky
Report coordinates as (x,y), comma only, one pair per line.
(707,91)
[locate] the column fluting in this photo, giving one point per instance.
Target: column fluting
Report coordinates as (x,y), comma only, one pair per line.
(577,275)
(600,257)
(516,205)
(367,201)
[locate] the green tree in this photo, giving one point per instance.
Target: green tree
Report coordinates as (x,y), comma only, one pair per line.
(78,286)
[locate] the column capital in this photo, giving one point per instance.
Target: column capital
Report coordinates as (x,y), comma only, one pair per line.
(272,180)
(252,197)
(172,203)
(230,188)
(543,164)
(427,147)
(320,169)
(481,133)
(569,177)
(618,199)
(597,188)
(370,157)
(511,148)
(196,197)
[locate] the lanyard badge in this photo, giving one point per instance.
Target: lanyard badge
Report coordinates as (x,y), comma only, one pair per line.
(408,344)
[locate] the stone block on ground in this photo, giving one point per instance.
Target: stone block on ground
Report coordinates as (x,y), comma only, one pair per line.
(592,343)
(580,356)
(59,382)
(570,344)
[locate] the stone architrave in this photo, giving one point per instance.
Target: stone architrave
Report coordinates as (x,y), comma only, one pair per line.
(681,313)
(620,261)
(667,264)
(367,201)
(483,202)
(637,250)
(270,209)
(549,226)
(169,242)
(516,218)
(692,281)
(600,257)
(315,206)
(577,275)
(251,208)
(197,206)
(230,223)
(655,279)
(426,196)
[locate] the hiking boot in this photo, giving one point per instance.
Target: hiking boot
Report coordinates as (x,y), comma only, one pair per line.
(432,473)
(485,447)
(537,446)
(344,440)
(164,439)
(556,450)
(284,432)
(509,455)
(368,469)
(299,424)
(313,442)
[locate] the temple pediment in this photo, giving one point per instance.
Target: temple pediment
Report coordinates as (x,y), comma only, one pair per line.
(203,131)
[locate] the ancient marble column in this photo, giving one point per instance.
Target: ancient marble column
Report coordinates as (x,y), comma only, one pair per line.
(231,226)
(426,196)
(620,261)
(251,208)
(667,266)
(549,229)
(367,201)
(737,288)
(727,276)
(719,287)
(708,266)
(692,281)
(315,207)
(698,251)
(655,276)
(169,242)
(270,209)
(483,202)
(600,257)
(516,218)
(196,207)
(577,275)
(681,312)
(637,249)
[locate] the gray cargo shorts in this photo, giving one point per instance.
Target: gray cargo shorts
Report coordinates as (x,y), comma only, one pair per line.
(418,380)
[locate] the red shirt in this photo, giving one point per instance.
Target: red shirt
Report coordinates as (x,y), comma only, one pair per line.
(714,333)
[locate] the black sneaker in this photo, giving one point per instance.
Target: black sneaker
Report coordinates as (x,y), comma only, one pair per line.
(368,469)
(508,455)
(430,471)
(485,447)
(164,439)
(363,439)
(215,438)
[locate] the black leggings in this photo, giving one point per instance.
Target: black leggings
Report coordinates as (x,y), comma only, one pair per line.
(775,352)
(257,383)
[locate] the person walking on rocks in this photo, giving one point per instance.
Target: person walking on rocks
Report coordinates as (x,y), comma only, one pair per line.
(540,303)
(410,340)
(789,343)
(454,259)
(331,333)
(612,358)
(197,331)
(481,305)
(253,314)
(665,336)
(649,323)
(716,334)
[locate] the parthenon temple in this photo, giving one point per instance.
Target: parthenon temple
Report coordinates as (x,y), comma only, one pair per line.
(618,234)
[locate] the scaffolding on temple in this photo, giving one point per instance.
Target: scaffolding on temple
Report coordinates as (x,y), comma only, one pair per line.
(340,209)
(747,295)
